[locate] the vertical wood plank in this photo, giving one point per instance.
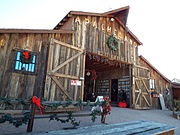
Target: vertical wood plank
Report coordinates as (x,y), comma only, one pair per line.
(83,75)
(31,121)
(49,68)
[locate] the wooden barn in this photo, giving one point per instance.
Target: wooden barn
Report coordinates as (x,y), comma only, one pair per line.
(176,90)
(159,84)
(86,55)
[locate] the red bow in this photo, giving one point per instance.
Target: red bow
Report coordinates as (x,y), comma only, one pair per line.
(37,101)
(26,54)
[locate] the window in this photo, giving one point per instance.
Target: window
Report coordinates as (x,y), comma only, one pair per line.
(151,82)
(19,66)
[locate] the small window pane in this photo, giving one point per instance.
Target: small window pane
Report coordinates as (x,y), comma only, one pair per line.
(20,66)
(34,59)
(18,56)
(17,65)
(33,68)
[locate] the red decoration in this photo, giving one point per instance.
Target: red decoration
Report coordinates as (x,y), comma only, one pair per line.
(26,54)
(94,75)
(37,101)
(26,57)
(106,107)
(122,104)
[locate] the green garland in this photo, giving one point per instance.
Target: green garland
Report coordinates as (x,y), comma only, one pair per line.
(69,119)
(16,121)
(112,43)
(94,115)
(24,59)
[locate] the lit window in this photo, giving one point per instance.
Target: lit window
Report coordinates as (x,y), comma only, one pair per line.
(28,67)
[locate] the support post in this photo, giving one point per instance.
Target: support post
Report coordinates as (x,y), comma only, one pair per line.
(31,121)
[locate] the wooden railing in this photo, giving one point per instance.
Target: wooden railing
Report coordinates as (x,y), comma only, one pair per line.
(59,113)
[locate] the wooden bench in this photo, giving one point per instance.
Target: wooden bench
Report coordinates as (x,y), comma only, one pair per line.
(127,128)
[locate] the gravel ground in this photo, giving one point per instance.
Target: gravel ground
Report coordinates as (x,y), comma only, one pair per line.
(118,115)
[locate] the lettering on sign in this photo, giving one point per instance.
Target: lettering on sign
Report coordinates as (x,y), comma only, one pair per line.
(95,24)
(108,29)
(103,27)
(78,20)
(87,21)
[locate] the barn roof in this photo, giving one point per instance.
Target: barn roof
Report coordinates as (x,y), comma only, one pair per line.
(119,14)
(176,85)
(157,71)
(34,31)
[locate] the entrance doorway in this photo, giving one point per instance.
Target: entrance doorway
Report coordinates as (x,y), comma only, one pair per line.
(114,90)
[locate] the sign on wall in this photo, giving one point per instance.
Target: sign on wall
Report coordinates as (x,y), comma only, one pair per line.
(75,83)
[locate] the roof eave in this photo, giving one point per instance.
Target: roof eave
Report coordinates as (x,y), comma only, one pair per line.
(34,31)
(155,69)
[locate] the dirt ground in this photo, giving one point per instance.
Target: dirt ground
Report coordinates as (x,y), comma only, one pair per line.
(118,115)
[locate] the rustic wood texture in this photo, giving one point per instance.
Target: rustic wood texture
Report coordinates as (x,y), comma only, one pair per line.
(126,128)
(65,63)
(17,85)
(162,84)
(92,33)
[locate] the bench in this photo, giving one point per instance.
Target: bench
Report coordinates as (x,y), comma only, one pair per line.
(128,128)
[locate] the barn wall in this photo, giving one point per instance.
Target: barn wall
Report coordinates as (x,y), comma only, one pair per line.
(176,93)
(92,33)
(19,85)
(161,86)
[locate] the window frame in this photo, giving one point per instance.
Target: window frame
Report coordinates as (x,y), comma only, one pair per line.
(152,83)
(24,71)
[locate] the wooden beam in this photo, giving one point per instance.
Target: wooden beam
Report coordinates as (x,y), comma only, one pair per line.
(65,63)
(137,98)
(66,76)
(61,87)
(141,78)
(145,86)
(67,45)
(146,100)
(34,31)
(90,14)
(138,66)
(14,112)
(83,75)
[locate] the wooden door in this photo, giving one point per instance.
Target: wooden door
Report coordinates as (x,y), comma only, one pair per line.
(65,63)
(142,93)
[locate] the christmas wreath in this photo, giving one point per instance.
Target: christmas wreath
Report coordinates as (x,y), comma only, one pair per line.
(26,57)
(112,43)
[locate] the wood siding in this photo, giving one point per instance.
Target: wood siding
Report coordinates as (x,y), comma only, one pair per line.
(17,85)
(92,32)
(161,86)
